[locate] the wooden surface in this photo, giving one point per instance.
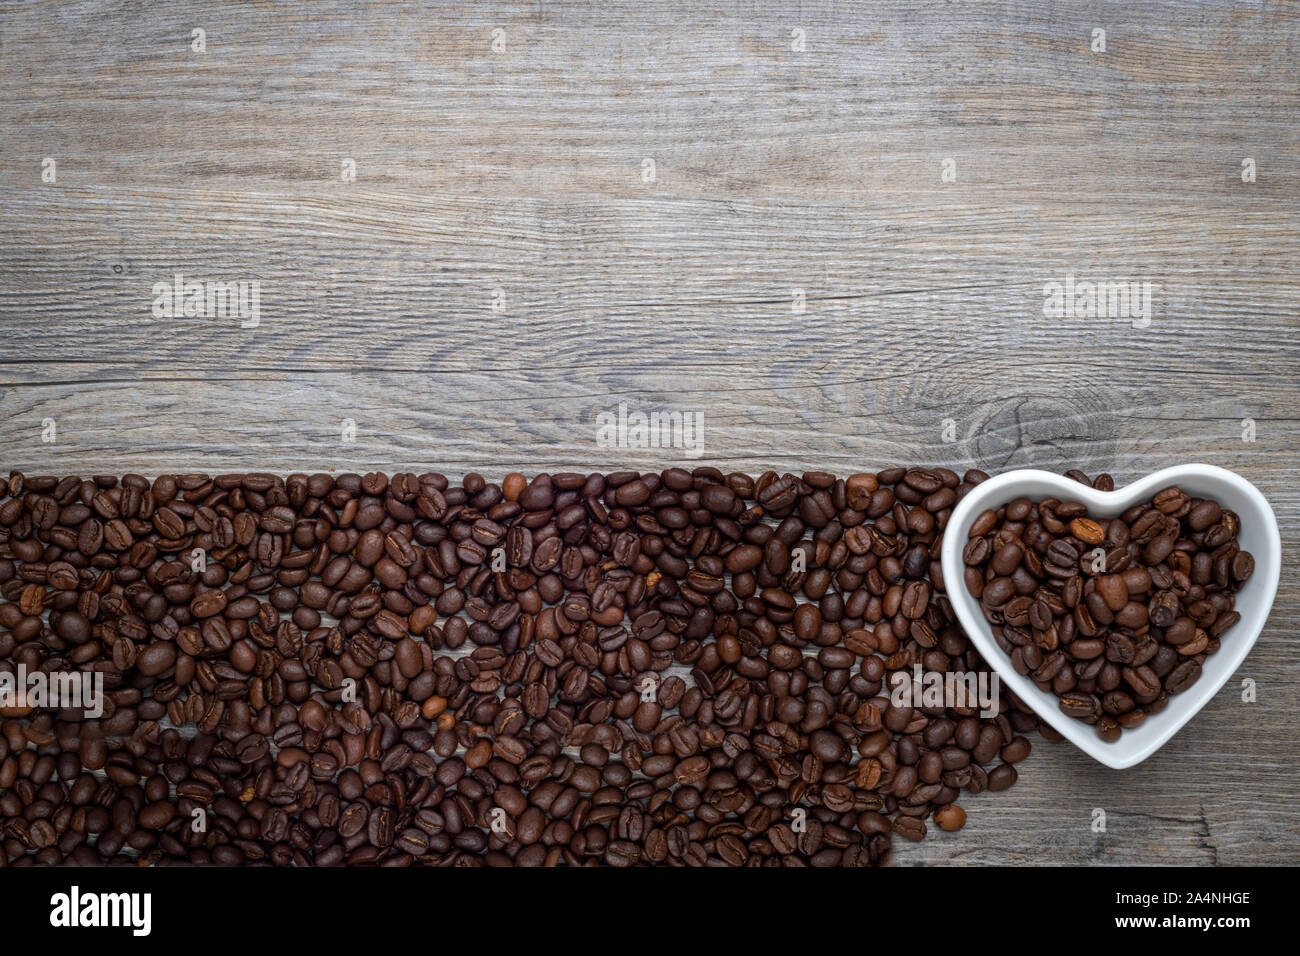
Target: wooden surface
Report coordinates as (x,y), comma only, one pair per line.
(522,171)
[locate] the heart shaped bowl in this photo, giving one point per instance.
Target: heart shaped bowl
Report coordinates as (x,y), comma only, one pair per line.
(1258,535)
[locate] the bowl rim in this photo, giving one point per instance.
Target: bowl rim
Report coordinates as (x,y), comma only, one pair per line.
(1134,746)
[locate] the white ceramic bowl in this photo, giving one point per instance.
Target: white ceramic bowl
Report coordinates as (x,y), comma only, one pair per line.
(1258,535)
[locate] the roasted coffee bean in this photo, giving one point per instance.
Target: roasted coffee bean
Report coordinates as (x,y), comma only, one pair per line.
(1183,676)
(1078,704)
(1113,590)
(950,817)
(912,828)
(1108,729)
(1088,531)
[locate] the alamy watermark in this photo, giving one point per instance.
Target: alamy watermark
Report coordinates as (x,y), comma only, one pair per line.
(198,299)
(76,909)
(681,430)
(924,688)
(1083,299)
(39,690)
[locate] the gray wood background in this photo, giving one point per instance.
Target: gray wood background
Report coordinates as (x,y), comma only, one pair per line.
(518,173)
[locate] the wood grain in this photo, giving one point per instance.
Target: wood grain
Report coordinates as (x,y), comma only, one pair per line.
(923,337)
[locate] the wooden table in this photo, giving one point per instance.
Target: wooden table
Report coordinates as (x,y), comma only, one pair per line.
(505,267)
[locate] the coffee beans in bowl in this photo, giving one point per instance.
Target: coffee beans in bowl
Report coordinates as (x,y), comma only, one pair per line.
(1112,615)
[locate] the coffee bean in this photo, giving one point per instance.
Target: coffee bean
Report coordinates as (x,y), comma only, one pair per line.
(1062,553)
(1108,729)
(1087,531)
(910,827)
(1169,500)
(1203,515)
(950,817)
(1078,704)
(916,599)
(1183,676)
(1113,590)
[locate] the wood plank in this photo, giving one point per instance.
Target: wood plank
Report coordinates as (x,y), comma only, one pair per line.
(775,170)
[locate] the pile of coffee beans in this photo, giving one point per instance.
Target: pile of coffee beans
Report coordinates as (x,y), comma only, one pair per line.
(682,668)
(1111,615)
